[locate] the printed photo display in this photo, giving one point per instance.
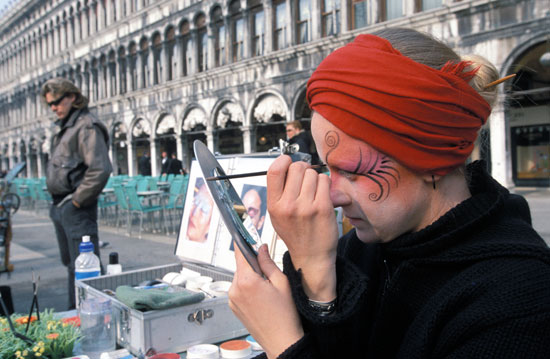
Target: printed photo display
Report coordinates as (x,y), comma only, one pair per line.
(203,236)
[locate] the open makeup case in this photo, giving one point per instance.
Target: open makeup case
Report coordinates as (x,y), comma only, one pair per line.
(212,255)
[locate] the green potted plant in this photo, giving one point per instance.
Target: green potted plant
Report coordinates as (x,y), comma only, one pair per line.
(53,338)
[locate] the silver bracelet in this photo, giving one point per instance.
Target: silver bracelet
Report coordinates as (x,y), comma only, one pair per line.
(322,308)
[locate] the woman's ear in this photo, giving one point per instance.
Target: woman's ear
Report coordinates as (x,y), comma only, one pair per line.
(431,179)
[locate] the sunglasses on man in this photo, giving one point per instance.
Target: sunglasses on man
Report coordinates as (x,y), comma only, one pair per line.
(56,102)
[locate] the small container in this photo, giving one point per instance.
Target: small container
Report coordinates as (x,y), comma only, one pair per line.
(203,351)
(217,289)
(97,327)
(196,283)
(113,267)
(235,349)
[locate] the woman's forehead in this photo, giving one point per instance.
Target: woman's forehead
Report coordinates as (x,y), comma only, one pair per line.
(330,138)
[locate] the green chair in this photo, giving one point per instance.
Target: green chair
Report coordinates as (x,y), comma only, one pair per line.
(174,203)
(105,203)
(136,207)
(122,206)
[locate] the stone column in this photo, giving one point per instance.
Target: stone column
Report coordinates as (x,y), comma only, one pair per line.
(210,140)
(39,155)
(131,167)
(228,39)
(118,75)
(77,27)
(109,13)
(155,171)
(165,61)
(344,17)
(151,66)
(179,148)
(100,16)
(139,70)
(247,144)
(290,31)
(129,74)
(268,8)
(177,58)
(211,46)
(28,158)
(500,157)
(84,19)
(247,31)
(315,20)
(194,68)
(92,29)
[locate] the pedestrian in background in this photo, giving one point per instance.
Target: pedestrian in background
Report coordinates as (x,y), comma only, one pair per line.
(442,262)
(165,163)
(77,171)
(144,164)
(175,165)
(296,134)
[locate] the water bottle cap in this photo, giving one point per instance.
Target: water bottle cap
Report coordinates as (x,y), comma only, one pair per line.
(86,247)
(85,238)
(113,258)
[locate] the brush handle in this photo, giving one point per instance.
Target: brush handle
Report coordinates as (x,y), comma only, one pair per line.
(249,174)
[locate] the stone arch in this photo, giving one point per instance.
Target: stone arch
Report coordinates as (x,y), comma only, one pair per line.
(527,115)
(136,122)
(299,100)
(236,112)
(281,107)
(194,115)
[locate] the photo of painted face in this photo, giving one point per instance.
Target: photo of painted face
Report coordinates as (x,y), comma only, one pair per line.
(255,200)
(200,214)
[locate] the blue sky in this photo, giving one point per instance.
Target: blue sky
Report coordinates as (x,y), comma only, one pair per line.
(3,4)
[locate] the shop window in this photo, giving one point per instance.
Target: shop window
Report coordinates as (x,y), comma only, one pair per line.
(359,13)
(303,21)
(394,9)
(238,39)
(219,37)
(425,5)
(279,25)
(186,51)
(258,35)
(330,17)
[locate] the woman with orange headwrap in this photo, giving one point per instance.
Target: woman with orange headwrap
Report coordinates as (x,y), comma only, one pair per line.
(442,261)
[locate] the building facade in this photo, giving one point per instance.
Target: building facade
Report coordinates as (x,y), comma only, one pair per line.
(162,73)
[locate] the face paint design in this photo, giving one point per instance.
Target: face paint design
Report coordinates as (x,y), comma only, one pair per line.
(375,166)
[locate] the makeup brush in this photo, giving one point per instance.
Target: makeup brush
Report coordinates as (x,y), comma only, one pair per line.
(249,174)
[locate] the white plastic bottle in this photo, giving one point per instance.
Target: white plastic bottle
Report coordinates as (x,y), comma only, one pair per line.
(86,264)
(113,267)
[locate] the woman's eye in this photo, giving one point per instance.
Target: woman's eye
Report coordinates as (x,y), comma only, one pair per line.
(348,175)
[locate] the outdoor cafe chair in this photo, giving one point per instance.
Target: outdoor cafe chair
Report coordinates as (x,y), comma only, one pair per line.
(136,207)
(174,204)
(122,206)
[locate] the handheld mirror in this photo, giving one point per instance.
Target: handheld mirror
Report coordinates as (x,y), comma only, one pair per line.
(232,209)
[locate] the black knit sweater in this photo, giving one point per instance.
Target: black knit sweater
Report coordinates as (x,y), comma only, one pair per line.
(474,284)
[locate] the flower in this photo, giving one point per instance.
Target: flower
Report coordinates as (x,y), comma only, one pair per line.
(52,336)
(71,320)
(25,320)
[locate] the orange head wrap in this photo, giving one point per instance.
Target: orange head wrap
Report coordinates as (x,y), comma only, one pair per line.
(424,118)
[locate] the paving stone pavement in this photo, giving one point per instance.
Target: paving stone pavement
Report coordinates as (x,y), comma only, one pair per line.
(34,247)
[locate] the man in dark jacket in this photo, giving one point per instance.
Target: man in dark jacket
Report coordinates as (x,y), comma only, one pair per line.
(165,163)
(78,169)
(144,165)
(176,166)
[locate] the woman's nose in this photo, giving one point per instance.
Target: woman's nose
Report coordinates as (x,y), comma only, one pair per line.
(338,196)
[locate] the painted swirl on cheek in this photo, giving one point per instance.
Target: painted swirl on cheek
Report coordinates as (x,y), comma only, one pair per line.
(381,170)
(331,140)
